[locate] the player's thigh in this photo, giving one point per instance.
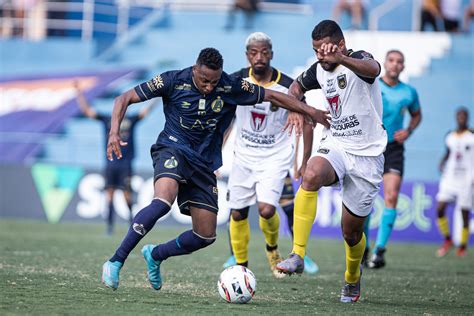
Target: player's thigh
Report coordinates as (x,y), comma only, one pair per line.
(320,172)
(269,186)
(448,191)
(204,221)
(200,191)
(466,197)
(241,187)
(362,184)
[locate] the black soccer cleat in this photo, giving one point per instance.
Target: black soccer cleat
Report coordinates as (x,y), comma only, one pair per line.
(377,261)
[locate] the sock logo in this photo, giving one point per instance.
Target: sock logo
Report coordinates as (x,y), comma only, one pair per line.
(139,229)
(56,186)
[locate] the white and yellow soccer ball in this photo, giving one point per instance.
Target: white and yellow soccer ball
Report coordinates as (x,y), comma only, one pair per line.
(237,284)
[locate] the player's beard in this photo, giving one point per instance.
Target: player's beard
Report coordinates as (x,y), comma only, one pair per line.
(260,70)
(328,66)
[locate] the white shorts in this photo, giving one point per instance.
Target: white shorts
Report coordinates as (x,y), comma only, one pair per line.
(359,176)
(454,190)
(247,186)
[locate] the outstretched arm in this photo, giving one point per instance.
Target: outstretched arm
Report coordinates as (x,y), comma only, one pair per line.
(290,103)
(120,107)
(84,105)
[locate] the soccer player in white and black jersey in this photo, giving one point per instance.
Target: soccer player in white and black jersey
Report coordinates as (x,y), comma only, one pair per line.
(263,154)
(351,151)
(457,182)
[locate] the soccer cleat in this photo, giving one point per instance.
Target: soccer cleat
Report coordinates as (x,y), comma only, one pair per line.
(230,262)
(351,292)
(110,274)
(274,258)
(153,267)
(444,249)
(461,252)
(293,264)
(310,266)
(377,261)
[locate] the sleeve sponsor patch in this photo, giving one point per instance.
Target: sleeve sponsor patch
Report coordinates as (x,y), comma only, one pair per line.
(155,84)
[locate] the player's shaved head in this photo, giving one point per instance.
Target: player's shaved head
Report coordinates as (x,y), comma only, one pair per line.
(211,58)
(258,37)
(327,28)
(395,51)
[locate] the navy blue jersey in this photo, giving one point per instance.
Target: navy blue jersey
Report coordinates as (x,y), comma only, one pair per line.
(195,123)
(127,128)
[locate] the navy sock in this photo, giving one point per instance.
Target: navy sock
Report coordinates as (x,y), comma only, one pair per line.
(142,224)
(186,243)
(289,211)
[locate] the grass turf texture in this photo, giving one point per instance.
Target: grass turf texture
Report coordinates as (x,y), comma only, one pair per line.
(55,269)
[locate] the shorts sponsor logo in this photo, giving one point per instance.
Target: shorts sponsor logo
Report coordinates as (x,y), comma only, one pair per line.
(171,163)
(217,105)
(341,81)
(139,229)
(324,151)
(215,190)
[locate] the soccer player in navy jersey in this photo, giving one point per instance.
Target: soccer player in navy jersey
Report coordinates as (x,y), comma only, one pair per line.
(199,103)
(118,173)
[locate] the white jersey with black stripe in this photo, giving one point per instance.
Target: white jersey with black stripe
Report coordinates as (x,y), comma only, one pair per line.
(259,128)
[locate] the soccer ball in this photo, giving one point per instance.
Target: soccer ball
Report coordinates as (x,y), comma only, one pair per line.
(237,284)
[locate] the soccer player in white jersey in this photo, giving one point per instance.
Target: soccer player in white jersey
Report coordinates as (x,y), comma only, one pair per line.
(457,181)
(263,154)
(350,153)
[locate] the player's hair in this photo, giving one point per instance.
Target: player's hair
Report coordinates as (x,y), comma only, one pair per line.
(211,58)
(258,37)
(327,28)
(395,51)
(462,109)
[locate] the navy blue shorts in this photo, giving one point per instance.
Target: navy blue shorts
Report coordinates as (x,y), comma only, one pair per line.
(118,176)
(197,183)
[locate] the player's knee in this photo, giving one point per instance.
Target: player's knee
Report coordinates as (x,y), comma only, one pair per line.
(312,180)
(240,214)
(203,241)
(391,198)
(267,211)
(352,237)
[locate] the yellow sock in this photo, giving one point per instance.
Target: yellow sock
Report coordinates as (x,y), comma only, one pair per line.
(464,236)
(304,215)
(353,259)
(239,239)
(443,226)
(270,229)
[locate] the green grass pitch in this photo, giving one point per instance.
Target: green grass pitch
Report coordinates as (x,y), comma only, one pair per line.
(55,269)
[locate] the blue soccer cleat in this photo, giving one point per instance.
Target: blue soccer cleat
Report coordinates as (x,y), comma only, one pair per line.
(153,267)
(230,262)
(310,266)
(293,264)
(110,274)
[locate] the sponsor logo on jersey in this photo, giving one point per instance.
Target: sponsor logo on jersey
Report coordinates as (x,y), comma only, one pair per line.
(217,105)
(335,106)
(324,151)
(155,83)
(273,107)
(171,163)
(225,89)
(184,86)
(259,121)
(247,86)
(185,105)
(341,81)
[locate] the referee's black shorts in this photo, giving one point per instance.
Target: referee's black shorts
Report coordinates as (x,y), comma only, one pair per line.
(394,158)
